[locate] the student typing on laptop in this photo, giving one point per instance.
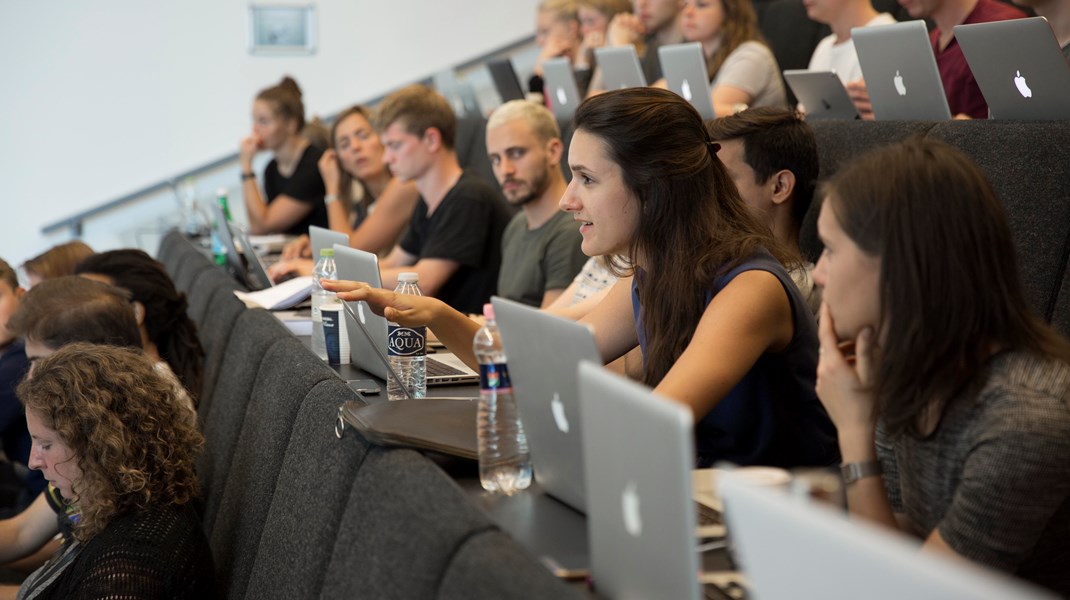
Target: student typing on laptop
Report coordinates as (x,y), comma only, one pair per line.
(647,185)
(454,236)
(955,390)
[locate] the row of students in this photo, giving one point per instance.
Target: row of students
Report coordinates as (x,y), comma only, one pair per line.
(958,392)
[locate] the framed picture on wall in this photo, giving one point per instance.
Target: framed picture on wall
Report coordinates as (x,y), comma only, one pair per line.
(282,29)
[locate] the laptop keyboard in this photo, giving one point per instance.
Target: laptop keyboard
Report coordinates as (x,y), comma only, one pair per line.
(707,515)
(440,369)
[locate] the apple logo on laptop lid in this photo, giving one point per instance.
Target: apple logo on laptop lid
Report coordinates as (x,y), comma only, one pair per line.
(629,504)
(685,90)
(562,97)
(558,409)
(899,86)
(1023,87)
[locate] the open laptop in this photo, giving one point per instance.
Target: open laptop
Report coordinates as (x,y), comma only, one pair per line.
(640,517)
(443,368)
(620,67)
(685,73)
(821,94)
(542,352)
(900,71)
(235,264)
(505,80)
(1020,68)
(789,548)
(320,238)
(255,270)
(559,86)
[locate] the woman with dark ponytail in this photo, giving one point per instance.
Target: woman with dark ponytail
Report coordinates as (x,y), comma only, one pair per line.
(167,333)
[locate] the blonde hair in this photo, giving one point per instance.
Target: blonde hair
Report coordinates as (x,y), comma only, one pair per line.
(566,10)
(537,117)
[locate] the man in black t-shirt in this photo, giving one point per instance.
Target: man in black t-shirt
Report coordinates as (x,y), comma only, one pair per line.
(454,238)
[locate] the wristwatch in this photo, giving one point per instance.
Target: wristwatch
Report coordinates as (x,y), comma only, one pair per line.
(852,472)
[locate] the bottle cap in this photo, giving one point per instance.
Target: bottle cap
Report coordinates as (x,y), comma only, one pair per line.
(221,192)
(488,311)
(327,252)
(409,277)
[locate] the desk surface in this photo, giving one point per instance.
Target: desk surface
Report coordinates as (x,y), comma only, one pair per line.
(543,525)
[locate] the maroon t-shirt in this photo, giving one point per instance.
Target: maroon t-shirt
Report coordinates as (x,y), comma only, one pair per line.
(963,94)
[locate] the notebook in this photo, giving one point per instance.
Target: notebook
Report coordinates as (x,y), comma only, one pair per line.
(559,86)
(822,94)
(443,368)
(1020,68)
(684,66)
(791,549)
(900,71)
(542,352)
(637,455)
(620,67)
(320,238)
(505,80)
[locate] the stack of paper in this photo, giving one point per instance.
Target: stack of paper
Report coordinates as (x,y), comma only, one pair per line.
(285,295)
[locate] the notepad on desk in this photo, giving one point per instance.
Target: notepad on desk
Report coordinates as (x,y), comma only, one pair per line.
(282,296)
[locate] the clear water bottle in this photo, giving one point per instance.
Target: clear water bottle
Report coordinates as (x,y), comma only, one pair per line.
(324,269)
(504,464)
(407,349)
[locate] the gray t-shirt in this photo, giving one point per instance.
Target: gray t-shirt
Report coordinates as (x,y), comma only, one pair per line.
(994,477)
(537,260)
(752,68)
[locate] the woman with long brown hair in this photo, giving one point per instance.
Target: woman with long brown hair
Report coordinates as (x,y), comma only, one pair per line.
(950,385)
(721,325)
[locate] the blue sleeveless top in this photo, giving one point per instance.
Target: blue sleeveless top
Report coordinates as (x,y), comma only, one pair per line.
(772,416)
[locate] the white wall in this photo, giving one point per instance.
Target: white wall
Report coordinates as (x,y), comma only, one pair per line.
(103,98)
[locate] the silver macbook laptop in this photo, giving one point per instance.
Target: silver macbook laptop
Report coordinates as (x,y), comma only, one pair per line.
(235,265)
(641,519)
(443,368)
(792,549)
(505,80)
(685,73)
(542,352)
(821,93)
(321,238)
(256,271)
(620,67)
(560,88)
(1020,68)
(900,71)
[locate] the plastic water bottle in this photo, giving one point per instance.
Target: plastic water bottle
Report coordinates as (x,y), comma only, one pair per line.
(324,269)
(407,349)
(219,251)
(221,197)
(504,464)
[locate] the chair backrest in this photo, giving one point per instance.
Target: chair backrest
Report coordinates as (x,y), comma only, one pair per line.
(311,493)
(288,373)
(190,267)
(254,334)
(224,310)
(172,246)
(493,566)
(471,148)
(404,521)
(205,286)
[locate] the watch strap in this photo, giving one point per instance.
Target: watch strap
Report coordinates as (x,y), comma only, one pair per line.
(852,472)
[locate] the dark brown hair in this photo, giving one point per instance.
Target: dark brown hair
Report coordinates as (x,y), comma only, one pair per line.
(950,291)
(418,108)
(285,99)
(58,260)
(166,320)
(775,139)
(61,311)
(8,275)
(133,437)
(693,225)
(345,178)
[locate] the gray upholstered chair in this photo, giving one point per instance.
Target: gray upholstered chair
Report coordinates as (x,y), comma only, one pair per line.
(254,334)
(310,497)
(404,521)
(288,373)
(224,310)
(205,286)
(493,566)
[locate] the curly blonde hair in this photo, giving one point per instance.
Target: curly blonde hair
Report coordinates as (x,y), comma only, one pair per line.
(127,428)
